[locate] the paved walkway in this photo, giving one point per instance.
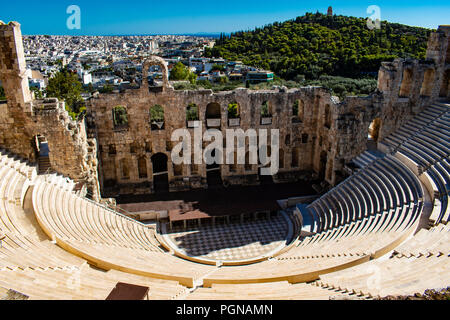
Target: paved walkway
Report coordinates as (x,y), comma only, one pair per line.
(232,242)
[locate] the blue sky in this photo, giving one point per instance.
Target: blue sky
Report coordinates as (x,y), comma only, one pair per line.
(177,17)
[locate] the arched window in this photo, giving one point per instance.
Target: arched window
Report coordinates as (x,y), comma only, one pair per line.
(266,113)
(428,82)
(287,140)
(133,147)
(192,115)
(157,117)
(142,167)
(297,111)
(160,172)
(120,117)
(213,115)
(374,130)
(234,114)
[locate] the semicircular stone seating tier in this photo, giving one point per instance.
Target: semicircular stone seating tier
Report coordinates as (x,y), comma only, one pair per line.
(34,266)
(363,218)
(106,238)
(372,213)
(423,144)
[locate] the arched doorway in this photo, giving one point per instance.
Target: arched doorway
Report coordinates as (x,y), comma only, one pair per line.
(42,154)
(142,168)
(213,172)
(265,179)
(374,132)
(155,74)
(160,173)
(323,165)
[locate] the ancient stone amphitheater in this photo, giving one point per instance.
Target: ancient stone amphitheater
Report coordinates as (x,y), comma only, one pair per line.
(381,230)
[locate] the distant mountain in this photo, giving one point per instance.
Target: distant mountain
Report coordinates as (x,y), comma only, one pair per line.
(317,44)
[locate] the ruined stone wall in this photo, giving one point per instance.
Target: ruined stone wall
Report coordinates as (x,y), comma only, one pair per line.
(138,140)
(23,118)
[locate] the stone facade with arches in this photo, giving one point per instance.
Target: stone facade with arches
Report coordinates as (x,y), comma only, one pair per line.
(317,137)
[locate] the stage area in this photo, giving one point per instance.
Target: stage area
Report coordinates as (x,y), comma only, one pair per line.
(217,202)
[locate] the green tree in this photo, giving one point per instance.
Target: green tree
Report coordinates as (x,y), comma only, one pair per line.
(180,72)
(315,45)
(37,93)
(192,112)
(64,85)
(233,110)
(2,93)
(120,116)
(157,113)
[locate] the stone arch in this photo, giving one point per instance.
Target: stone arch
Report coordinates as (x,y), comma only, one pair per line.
(159,162)
(213,111)
(120,117)
(407,83)
(374,130)
(445,86)
(428,82)
(213,115)
(142,167)
(192,112)
(160,173)
(287,140)
(134,147)
(266,109)
(152,61)
(234,110)
(298,110)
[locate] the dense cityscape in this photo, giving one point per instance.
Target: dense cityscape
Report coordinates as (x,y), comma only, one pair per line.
(115,63)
